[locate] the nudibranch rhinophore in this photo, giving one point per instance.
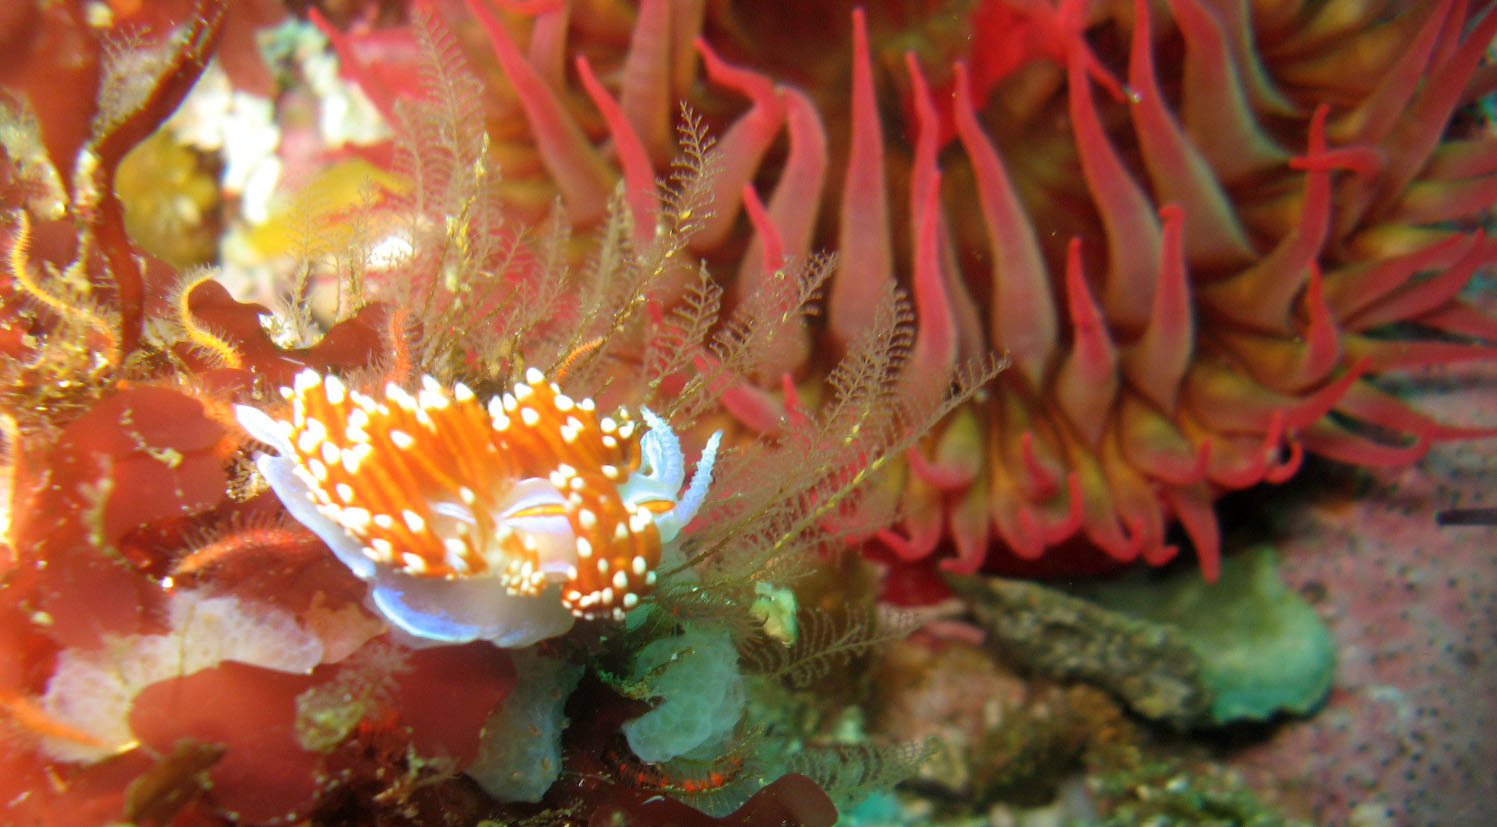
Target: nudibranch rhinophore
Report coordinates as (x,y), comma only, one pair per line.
(502,522)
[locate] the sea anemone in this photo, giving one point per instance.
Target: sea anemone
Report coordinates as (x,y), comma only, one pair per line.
(1199,234)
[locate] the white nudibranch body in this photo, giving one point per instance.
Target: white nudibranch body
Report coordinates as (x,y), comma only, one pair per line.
(502,522)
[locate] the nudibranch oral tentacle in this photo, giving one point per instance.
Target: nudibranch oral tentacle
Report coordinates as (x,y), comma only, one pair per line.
(501,522)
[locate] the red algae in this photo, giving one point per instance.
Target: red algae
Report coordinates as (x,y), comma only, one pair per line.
(264,774)
(140,455)
(446,695)
(159,449)
(38,794)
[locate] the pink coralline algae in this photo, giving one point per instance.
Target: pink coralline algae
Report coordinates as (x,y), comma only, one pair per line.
(1405,738)
(1199,229)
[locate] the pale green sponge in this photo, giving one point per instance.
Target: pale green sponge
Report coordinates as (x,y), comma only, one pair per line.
(696,676)
(519,754)
(1261,647)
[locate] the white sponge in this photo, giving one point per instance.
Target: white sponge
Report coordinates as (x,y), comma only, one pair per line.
(92,690)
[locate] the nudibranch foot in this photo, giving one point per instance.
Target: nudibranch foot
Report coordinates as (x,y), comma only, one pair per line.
(502,522)
(427,611)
